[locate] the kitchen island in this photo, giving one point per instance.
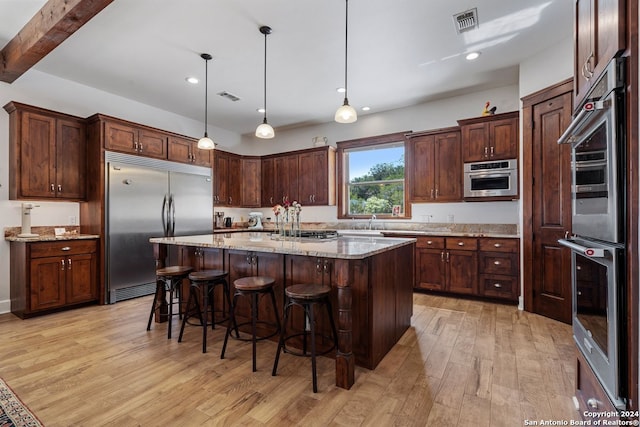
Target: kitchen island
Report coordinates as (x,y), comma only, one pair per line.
(371,279)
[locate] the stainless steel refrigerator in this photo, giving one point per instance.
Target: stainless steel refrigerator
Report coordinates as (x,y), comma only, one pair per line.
(149,198)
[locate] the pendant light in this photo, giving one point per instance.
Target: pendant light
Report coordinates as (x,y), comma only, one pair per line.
(264,130)
(206,143)
(346,113)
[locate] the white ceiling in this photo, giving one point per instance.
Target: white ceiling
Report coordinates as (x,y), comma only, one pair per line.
(401,52)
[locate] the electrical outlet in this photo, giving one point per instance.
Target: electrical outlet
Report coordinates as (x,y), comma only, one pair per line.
(73,220)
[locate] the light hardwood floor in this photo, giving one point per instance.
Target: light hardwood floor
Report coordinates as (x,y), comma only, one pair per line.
(462,363)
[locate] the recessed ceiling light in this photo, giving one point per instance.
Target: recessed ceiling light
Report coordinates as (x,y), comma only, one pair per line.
(260,110)
(340,90)
(472,55)
(365,108)
(192,80)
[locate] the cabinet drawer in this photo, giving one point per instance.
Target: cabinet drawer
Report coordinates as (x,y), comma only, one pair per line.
(590,394)
(430,242)
(64,247)
(498,263)
(499,245)
(462,243)
(499,286)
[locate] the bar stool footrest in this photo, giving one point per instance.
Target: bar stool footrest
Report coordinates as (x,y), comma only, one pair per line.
(298,352)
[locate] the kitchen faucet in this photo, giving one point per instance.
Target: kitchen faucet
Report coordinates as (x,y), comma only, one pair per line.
(371,220)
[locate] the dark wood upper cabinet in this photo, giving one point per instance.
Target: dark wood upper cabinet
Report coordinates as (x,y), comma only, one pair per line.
(131,139)
(490,137)
(599,36)
(435,166)
(251,189)
(185,150)
(47,153)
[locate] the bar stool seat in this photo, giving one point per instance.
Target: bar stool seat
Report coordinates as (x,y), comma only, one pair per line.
(306,296)
(168,279)
(253,287)
(204,283)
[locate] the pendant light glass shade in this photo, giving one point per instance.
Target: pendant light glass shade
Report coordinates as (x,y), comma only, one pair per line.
(346,113)
(206,143)
(264,130)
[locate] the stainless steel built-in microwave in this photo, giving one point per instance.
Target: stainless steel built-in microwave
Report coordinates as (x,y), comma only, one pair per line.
(496,178)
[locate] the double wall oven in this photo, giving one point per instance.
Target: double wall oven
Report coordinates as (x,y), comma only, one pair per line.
(597,238)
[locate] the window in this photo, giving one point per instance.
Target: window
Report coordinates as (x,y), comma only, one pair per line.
(372,177)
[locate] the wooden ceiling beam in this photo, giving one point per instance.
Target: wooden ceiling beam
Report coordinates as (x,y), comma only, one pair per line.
(56,21)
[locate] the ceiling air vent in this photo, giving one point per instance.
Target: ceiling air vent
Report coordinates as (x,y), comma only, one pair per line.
(229,95)
(466,21)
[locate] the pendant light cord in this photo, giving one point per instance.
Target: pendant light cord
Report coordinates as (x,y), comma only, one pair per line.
(206,92)
(346,35)
(265,77)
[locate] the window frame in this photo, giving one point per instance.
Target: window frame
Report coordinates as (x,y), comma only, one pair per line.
(343,180)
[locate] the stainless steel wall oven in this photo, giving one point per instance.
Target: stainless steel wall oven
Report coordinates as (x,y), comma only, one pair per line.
(597,242)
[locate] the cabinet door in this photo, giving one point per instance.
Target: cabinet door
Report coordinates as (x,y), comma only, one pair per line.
(152,144)
(81,279)
(430,269)
(221,178)
(503,135)
(448,167)
(421,151)
(499,286)
(180,150)
(200,157)
(499,263)
(71,159)
(462,272)
(47,288)
(251,191)
(476,142)
(584,45)
(268,183)
(286,178)
(313,184)
(235,181)
(120,137)
(37,155)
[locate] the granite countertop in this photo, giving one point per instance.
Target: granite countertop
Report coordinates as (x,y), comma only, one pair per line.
(343,247)
(47,234)
(448,233)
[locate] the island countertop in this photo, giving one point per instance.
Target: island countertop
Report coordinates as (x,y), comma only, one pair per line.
(342,247)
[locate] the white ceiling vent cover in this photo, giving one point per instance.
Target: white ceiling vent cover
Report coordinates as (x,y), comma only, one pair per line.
(466,21)
(229,95)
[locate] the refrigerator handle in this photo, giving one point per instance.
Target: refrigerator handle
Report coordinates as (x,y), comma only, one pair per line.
(172,218)
(165,217)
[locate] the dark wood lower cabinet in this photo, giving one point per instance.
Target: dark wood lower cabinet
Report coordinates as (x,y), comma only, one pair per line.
(47,276)
(592,400)
(484,266)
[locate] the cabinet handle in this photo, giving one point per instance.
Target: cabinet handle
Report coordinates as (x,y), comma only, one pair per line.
(497,245)
(432,193)
(59,188)
(53,188)
(61,264)
(491,151)
(271,200)
(486,150)
(442,256)
(135,145)
(318,266)
(436,192)
(310,198)
(497,285)
(460,243)
(69,263)
(592,403)
(140,145)
(248,259)
(66,248)
(578,267)
(497,262)
(579,293)
(447,256)
(429,242)
(230,199)
(254,259)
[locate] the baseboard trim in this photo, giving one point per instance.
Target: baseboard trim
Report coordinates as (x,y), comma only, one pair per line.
(5,306)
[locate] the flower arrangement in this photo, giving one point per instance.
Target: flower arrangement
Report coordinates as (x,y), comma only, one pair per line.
(287,214)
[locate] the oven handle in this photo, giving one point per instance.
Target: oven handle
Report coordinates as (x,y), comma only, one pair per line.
(567,136)
(582,249)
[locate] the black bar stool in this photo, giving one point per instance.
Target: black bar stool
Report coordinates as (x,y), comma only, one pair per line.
(168,279)
(204,282)
(253,287)
(306,296)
